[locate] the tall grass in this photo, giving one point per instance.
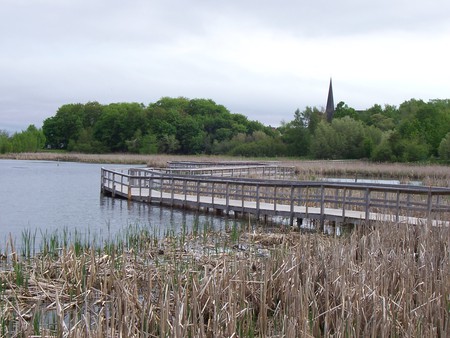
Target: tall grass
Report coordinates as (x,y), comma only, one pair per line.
(430,174)
(381,280)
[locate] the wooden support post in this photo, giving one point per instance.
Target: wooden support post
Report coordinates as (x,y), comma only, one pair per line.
(429,205)
(242,194)
(322,207)
(150,188)
(140,187)
(343,204)
(367,203)
(291,211)
(336,198)
(172,191)
(397,216)
(102,181)
(161,190)
(275,199)
(198,195)
(212,194)
(185,193)
(257,201)
(227,198)
(113,185)
(307,200)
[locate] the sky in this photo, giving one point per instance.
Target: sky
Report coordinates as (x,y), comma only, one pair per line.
(260,58)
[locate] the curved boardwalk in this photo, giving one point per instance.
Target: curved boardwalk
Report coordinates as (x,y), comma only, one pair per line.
(235,189)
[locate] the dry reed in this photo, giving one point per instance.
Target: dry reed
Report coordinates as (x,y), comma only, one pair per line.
(381,280)
(429,174)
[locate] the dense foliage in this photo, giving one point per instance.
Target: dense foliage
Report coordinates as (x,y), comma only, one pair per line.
(170,125)
(415,131)
(29,140)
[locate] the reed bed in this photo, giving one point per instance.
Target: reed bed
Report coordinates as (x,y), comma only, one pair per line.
(429,174)
(159,161)
(380,280)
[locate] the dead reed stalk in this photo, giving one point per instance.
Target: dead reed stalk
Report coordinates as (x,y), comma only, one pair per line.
(380,280)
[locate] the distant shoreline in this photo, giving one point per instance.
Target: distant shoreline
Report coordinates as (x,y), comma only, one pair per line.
(160,160)
(430,174)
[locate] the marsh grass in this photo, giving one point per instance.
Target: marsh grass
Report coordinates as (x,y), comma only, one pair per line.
(380,280)
(429,174)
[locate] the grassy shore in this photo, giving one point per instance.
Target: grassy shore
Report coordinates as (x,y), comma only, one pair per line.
(429,174)
(378,281)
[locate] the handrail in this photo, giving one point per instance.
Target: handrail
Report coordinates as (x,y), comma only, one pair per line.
(270,182)
(284,196)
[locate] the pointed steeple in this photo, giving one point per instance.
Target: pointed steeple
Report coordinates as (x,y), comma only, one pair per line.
(329,110)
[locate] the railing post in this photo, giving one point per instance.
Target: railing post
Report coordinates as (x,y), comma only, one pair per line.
(113,185)
(242,194)
(172,191)
(198,195)
(306,201)
(212,194)
(140,186)
(322,207)
(275,199)
(227,197)
(150,188)
(161,189)
(367,202)
(102,188)
(343,204)
(291,220)
(257,202)
(397,212)
(185,192)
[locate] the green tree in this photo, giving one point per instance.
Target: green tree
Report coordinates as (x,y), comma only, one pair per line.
(325,142)
(149,144)
(342,110)
(64,126)
(383,151)
(5,143)
(351,138)
(444,149)
(297,133)
(118,124)
(29,140)
(168,144)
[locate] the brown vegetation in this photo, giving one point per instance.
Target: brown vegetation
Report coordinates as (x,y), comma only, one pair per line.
(379,281)
(431,174)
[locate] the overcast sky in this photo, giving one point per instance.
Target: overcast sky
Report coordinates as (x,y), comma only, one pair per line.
(260,58)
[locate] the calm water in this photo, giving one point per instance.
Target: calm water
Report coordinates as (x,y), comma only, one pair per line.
(47,196)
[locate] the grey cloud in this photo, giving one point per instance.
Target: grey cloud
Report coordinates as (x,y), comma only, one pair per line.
(62,51)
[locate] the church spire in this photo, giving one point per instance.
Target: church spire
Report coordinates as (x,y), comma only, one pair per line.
(329,110)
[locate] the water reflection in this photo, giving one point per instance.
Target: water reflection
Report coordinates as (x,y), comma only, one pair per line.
(47,197)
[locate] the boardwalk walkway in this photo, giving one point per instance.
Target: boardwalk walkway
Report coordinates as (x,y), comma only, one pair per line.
(235,189)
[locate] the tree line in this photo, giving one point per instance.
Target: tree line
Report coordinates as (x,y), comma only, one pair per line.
(414,131)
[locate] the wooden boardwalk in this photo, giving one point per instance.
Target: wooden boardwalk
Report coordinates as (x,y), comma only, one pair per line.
(230,190)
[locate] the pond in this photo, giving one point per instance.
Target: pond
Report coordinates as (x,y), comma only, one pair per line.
(44,197)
